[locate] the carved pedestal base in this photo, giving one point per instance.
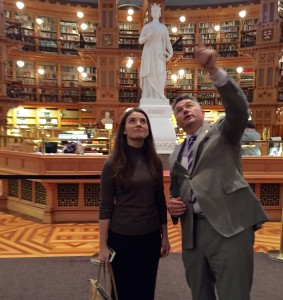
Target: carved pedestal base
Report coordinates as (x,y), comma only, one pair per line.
(159,112)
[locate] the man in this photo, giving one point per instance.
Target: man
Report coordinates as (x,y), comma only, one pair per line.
(218,210)
(250,134)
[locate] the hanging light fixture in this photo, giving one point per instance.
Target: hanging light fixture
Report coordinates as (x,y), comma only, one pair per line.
(40,71)
(216,27)
(84,26)
(182,19)
(129,63)
(80,69)
(80,14)
(181,73)
(20,63)
(174,29)
(130,11)
(242,13)
(39,21)
(239,70)
(20,5)
(174,77)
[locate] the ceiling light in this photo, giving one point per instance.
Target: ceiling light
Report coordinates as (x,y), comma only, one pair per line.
(182,19)
(20,5)
(80,14)
(20,63)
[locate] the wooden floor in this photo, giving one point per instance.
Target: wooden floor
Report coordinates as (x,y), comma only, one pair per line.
(27,237)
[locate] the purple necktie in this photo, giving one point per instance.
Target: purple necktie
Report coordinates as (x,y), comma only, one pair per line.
(190,161)
(190,152)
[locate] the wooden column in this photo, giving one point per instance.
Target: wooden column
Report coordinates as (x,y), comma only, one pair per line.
(106,54)
(266,54)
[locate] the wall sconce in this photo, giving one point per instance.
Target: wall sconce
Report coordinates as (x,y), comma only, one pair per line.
(130,11)
(39,21)
(174,77)
(80,69)
(84,26)
(242,13)
(239,70)
(20,63)
(20,5)
(108,126)
(80,14)
(174,29)
(181,73)
(216,27)
(129,63)
(129,18)
(182,19)
(40,71)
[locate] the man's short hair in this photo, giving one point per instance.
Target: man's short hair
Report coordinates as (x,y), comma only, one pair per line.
(183,97)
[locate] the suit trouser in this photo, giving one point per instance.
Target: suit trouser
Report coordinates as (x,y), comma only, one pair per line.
(217,262)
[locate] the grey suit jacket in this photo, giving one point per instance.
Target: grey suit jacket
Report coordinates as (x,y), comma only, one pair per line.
(225,197)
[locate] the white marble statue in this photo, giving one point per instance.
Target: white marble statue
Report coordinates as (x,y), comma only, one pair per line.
(107,119)
(157,50)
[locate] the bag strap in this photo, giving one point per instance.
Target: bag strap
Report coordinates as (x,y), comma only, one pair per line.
(113,281)
(111,277)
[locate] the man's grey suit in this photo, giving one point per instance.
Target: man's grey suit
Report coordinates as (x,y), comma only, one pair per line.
(218,250)
(226,199)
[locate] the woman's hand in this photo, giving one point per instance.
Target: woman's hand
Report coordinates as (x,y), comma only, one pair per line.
(104,254)
(165,246)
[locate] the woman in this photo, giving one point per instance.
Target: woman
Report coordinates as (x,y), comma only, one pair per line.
(132,213)
(157,50)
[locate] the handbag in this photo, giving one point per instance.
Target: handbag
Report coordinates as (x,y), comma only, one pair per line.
(102,286)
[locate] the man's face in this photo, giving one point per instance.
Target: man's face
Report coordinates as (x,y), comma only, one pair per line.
(189,115)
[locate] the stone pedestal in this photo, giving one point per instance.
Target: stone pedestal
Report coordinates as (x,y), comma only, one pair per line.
(159,112)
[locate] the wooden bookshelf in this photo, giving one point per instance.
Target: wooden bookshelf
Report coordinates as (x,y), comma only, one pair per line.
(128,85)
(229,38)
(47,35)
(129,36)
(70,38)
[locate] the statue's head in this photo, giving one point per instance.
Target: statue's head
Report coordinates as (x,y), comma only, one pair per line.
(155,10)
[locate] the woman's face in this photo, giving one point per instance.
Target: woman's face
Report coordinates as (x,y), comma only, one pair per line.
(136,128)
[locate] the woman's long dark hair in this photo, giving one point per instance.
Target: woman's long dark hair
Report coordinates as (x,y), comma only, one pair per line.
(120,166)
